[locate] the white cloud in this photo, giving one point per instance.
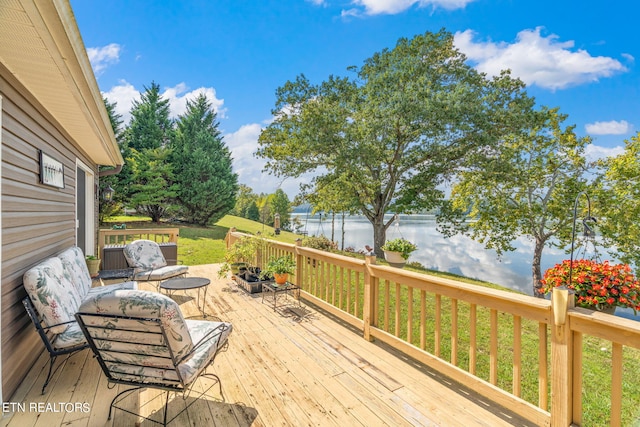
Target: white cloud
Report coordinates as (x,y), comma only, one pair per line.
(539,60)
(594,152)
(125,93)
(243,144)
(178,97)
(608,128)
(102,57)
(391,7)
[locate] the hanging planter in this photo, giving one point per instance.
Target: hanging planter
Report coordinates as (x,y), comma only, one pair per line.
(397,251)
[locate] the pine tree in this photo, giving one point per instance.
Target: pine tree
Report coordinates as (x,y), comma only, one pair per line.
(207,186)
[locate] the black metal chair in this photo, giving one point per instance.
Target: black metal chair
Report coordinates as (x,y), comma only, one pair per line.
(67,342)
(141,339)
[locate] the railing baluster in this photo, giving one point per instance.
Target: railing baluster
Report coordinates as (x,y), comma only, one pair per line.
(454,332)
(493,353)
(517,355)
(543,383)
(410,315)
(438,322)
(616,384)
(473,349)
(423,319)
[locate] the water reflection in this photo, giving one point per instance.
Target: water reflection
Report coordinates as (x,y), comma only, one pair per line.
(458,254)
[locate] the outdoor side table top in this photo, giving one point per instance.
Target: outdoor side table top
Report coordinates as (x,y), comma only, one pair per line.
(274,289)
(186,283)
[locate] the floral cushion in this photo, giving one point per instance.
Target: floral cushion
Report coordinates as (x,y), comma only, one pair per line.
(161,273)
(144,255)
(52,293)
(71,337)
(57,287)
(143,350)
(136,303)
(75,269)
(208,338)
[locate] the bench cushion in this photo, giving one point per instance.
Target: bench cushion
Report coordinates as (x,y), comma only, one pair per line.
(75,268)
(52,293)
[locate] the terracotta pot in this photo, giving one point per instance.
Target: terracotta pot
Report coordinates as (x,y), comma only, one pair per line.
(281,279)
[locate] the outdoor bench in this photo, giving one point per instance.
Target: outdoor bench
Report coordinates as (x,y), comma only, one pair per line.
(55,289)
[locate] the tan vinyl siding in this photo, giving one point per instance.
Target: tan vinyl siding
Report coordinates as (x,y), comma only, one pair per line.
(37,220)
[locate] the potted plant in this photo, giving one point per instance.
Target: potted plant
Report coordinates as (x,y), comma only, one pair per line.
(93,264)
(239,256)
(597,285)
(397,251)
(280,268)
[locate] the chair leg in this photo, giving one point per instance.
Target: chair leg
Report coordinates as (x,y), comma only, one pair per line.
(52,360)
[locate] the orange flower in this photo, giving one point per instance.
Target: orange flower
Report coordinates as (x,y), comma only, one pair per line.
(597,284)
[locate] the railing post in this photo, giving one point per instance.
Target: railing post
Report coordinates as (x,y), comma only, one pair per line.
(370,286)
(228,237)
(561,360)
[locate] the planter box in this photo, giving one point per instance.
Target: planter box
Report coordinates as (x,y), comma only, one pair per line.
(251,287)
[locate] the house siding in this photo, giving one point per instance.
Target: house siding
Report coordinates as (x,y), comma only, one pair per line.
(38,221)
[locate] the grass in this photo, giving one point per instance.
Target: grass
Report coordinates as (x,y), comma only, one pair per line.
(205,245)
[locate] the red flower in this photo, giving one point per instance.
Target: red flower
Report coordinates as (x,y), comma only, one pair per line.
(595,283)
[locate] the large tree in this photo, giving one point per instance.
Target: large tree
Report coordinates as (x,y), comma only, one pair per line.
(154,189)
(119,182)
(150,125)
(619,203)
(525,187)
(207,185)
(411,116)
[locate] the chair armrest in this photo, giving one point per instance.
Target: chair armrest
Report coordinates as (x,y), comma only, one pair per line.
(212,333)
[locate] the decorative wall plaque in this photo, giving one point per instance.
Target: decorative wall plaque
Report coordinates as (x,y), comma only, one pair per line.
(51,171)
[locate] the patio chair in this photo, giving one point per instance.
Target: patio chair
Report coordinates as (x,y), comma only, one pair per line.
(141,339)
(148,262)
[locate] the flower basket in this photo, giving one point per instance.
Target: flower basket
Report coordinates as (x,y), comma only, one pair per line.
(597,285)
(397,251)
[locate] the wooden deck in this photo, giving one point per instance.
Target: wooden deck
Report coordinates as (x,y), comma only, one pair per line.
(289,367)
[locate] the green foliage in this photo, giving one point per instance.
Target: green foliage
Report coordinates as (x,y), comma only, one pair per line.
(284,264)
(246,203)
(153,177)
(206,184)
(152,186)
(150,126)
(401,245)
(619,203)
(524,187)
(279,203)
(320,242)
(386,139)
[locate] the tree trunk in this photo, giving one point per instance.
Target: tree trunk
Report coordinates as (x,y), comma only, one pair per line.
(535,268)
(379,235)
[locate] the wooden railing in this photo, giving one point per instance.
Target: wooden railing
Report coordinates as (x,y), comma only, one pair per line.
(124,236)
(421,315)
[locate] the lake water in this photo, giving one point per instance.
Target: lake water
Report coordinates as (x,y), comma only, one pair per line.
(459,254)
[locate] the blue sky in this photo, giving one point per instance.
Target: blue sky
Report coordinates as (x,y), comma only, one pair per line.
(579,56)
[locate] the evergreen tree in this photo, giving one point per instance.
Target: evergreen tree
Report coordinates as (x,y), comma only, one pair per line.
(244,200)
(207,186)
(280,204)
(153,190)
(150,125)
